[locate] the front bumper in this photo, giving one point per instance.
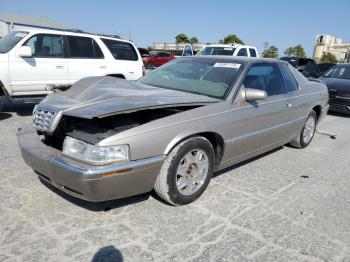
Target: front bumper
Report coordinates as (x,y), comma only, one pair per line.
(86,181)
(339,103)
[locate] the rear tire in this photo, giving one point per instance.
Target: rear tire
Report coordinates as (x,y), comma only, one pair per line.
(307,132)
(186,171)
(150,65)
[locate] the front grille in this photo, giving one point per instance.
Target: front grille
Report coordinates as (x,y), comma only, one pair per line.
(42,118)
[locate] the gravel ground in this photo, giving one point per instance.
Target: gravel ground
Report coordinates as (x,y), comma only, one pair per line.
(287,205)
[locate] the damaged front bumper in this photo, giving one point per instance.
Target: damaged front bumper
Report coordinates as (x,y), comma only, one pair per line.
(88,182)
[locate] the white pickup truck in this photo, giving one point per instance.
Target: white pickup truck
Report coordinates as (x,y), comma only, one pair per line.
(33,63)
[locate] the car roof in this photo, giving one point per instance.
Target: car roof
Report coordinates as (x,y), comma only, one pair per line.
(229,45)
(243,59)
(68,32)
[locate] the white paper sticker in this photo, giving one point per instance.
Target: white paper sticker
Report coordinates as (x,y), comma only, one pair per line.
(228,65)
(21,35)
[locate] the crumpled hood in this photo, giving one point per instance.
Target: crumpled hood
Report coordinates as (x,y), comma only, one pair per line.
(101,96)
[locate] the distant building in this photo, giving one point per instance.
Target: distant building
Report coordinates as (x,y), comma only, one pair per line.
(175,48)
(16,22)
(331,44)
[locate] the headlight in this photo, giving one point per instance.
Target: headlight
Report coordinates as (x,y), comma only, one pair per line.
(94,154)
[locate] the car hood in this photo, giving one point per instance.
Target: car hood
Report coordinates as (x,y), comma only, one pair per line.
(102,96)
(336,83)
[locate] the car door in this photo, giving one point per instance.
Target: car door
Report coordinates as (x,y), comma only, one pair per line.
(162,58)
(84,57)
(47,65)
(264,123)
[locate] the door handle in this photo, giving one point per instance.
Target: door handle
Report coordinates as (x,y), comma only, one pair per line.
(289,105)
(60,66)
(103,67)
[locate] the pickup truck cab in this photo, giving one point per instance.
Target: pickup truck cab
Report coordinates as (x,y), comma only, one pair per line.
(33,63)
(229,50)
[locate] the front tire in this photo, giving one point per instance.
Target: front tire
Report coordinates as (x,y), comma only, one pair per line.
(186,171)
(307,133)
(150,65)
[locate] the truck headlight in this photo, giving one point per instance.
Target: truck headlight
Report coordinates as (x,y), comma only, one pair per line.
(94,154)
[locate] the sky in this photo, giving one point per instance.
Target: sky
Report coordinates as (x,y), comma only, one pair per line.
(279,22)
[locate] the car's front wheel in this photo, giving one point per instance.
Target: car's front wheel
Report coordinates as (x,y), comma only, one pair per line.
(150,65)
(186,171)
(307,133)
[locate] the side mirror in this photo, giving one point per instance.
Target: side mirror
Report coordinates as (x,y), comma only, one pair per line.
(24,51)
(255,94)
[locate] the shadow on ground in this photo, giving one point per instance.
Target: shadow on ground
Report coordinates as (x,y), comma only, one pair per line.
(108,254)
(97,206)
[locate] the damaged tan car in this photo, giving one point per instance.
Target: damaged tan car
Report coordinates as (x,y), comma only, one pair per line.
(108,138)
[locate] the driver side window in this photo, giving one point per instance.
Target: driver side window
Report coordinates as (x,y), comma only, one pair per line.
(45,45)
(267,77)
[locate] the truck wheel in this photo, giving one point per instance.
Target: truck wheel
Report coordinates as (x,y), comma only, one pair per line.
(307,133)
(150,65)
(186,171)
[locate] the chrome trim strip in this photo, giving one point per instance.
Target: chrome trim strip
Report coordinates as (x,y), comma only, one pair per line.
(101,170)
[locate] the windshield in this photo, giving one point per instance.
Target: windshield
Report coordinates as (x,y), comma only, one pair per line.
(338,71)
(200,76)
(211,50)
(10,40)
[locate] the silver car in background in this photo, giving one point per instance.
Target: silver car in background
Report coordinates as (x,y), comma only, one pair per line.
(108,138)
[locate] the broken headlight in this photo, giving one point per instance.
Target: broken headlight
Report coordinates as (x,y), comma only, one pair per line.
(94,154)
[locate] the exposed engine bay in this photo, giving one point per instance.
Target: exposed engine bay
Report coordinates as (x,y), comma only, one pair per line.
(94,130)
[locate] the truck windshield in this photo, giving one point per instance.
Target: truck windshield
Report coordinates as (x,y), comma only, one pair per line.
(10,40)
(211,50)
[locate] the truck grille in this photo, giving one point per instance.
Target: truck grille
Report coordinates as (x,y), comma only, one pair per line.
(42,118)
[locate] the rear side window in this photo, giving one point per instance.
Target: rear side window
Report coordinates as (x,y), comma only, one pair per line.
(291,83)
(266,77)
(121,50)
(46,45)
(252,52)
(242,52)
(83,47)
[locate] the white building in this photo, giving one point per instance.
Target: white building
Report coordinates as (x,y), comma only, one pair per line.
(16,22)
(331,44)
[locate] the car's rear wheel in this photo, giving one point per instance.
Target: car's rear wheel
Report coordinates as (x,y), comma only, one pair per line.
(307,133)
(186,171)
(150,65)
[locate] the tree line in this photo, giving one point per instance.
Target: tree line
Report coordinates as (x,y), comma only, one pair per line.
(270,51)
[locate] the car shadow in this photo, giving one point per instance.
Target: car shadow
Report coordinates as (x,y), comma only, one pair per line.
(339,114)
(21,109)
(4,116)
(97,206)
(108,254)
(230,168)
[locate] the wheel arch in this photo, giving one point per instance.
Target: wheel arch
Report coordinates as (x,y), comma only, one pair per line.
(214,138)
(2,91)
(318,110)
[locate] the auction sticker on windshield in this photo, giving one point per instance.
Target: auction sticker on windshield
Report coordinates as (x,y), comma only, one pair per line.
(228,65)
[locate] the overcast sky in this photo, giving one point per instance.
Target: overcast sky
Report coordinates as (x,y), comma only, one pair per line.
(281,23)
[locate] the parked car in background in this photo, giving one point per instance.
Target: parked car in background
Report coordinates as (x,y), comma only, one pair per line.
(337,80)
(34,62)
(229,50)
(306,66)
(323,67)
(107,138)
(157,59)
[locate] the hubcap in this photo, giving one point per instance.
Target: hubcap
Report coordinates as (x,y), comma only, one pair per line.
(309,129)
(192,172)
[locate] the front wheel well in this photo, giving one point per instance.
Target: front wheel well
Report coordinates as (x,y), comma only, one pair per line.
(2,92)
(117,75)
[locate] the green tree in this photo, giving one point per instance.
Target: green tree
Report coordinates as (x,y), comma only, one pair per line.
(194,40)
(297,51)
(270,52)
(182,38)
(328,58)
(230,39)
